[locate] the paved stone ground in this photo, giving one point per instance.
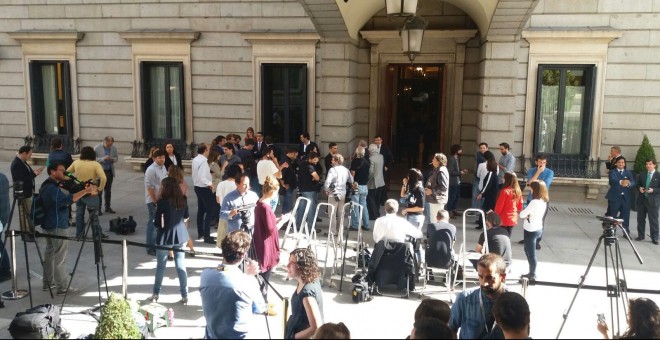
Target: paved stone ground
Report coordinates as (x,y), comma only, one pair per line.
(571,236)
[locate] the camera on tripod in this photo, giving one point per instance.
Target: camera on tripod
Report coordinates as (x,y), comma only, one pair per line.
(18,189)
(609,225)
(246,212)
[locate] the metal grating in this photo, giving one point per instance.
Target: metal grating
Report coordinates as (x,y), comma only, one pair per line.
(553,209)
(583,211)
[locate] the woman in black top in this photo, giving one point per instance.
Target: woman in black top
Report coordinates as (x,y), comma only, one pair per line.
(412,192)
(171,213)
(307,300)
(489,189)
(172,157)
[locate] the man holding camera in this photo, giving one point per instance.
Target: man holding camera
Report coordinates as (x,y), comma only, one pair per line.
(238,206)
(648,201)
(335,187)
(620,194)
(56,202)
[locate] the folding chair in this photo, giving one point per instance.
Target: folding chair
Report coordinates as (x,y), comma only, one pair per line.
(295,231)
(392,263)
(440,258)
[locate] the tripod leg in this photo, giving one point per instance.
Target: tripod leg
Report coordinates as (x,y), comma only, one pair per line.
(98,253)
(75,265)
(580,284)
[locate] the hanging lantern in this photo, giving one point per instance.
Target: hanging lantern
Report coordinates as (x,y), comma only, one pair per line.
(401,8)
(412,35)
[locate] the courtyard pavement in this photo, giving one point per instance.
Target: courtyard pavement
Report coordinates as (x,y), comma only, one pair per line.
(571,235)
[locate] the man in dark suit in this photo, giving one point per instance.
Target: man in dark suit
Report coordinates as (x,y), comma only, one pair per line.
(648,201)
(620,194)
(306,146)
(615,155)
(21,171)
(260,145)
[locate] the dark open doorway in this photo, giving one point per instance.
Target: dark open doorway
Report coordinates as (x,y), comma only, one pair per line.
(413,113)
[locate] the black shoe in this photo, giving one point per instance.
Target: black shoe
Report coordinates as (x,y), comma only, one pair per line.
(479,227)
(538,246)
(639,239)
(655,242)
(104,236)
(209,240)
(100,213)
(110,211)
(521,242)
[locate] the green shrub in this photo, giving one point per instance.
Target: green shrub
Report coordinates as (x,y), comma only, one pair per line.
(117,320)
(644,152)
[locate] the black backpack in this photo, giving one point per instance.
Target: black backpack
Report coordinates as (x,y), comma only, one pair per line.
(40,322)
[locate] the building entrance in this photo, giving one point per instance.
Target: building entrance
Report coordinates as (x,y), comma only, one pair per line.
(413,112)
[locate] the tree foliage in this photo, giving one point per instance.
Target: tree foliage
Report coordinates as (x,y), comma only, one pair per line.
(117,320)
(644,152)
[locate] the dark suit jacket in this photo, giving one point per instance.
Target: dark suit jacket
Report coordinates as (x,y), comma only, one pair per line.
(169,162)
(21,171)
(617,192)
(257,151)
(311,147)
(654,197)
(388,157)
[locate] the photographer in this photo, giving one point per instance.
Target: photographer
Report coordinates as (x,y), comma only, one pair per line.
(56,203)
(238,206)
(335,187)
(87,169)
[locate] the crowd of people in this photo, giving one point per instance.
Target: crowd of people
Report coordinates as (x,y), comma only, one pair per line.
(238,189)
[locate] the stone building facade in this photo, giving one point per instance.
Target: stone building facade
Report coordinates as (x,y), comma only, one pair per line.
(562,77)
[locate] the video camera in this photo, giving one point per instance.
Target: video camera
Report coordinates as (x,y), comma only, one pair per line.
(245,211)
(74,185)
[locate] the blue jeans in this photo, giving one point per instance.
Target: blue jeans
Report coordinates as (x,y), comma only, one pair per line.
(530,250)
(312,196)
(416,220)
(454,195)
(361,199)
(475,192)
(81,206)
(161,260)
(151,228)
(287,201)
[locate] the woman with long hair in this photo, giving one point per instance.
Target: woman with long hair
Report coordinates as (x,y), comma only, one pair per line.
(249,134)
(509,202)
(643,320)
(488,189)
(265,237)
(171,214)
(412,193)
(172,157)
(307,300)
(177,173)
(533,215)
(437,187)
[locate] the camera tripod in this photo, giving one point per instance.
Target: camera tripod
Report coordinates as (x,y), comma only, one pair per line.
(93,224)
(618,291)
(25,224)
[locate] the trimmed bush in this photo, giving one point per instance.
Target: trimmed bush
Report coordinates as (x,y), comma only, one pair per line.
(117,320)
(644,152)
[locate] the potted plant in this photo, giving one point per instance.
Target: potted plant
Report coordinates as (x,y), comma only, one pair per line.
(117,320)
(644,152)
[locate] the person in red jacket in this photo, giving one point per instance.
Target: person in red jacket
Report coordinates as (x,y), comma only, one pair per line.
(509,202)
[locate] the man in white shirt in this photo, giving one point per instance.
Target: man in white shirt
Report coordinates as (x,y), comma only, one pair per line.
(394,228)
(335,187)
(206,213)
(152,178)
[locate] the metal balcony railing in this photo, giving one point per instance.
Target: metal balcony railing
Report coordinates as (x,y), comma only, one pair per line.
(41,144)
(568,166)
(141,148)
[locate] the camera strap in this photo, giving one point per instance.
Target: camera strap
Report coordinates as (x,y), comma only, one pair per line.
(491,320)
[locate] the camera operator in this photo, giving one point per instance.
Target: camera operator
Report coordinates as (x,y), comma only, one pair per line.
(87,169)
(335,187)
(56,203)
(22,172)
(229,296)
(231,209)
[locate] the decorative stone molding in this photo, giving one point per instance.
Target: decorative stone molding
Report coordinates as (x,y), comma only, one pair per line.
(167,45)
(49,45)
(284,48)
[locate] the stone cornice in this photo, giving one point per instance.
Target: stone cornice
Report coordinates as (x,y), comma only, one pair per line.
(158,35)
(47,36)
(459,36)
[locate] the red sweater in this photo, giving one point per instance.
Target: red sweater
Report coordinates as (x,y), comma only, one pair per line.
(507,208)
(266,239)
